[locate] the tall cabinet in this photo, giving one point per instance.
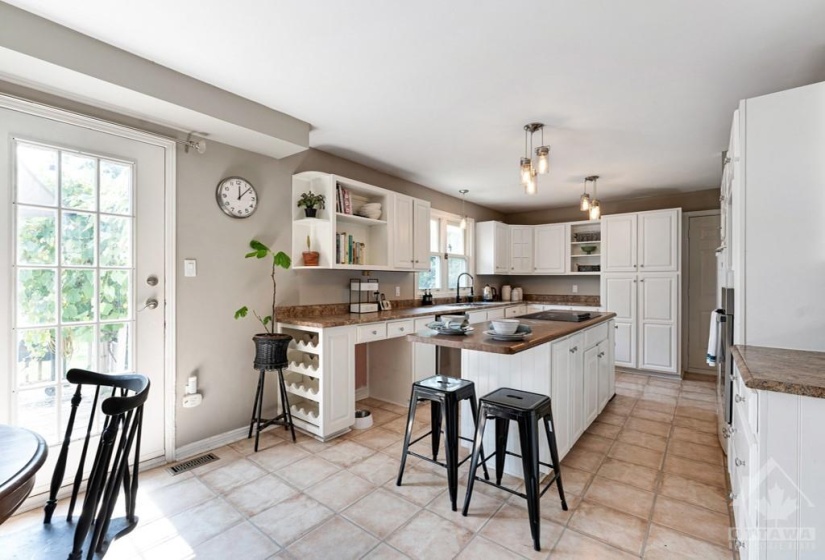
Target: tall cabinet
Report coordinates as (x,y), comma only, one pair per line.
(641,283)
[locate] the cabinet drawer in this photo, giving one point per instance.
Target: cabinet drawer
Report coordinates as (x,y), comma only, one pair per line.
(747,401)
(368,333)
(422,322)
(400,328)
(474,317)
(594,335)
(495,314)
(515,311)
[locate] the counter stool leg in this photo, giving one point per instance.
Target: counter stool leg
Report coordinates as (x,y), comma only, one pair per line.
(554,458)
(530,465)
(255,404)
(481,422)
(435,424)
(260,408)
(285,404)
(451,448)
(502,430)
(474,410)
(407,435)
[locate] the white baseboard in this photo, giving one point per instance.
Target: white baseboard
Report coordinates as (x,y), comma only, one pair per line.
(210,443)
(362,393)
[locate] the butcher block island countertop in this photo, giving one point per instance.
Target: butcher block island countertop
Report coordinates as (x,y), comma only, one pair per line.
(543,332)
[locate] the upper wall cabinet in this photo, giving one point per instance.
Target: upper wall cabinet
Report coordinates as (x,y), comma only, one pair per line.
(492,248)
(619,243)
(361,227)
(549,243)
(641,242)
(521,249)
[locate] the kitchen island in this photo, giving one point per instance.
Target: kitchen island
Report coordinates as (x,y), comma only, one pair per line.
(573,363)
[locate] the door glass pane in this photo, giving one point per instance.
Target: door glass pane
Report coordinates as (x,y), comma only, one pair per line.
(77,238)
(35,356)
(36,296)
(78,181)
(36,175)
(115,187)
(78,347)
(455,239)
(455,266)
(77,292)
(115,241)
(115,347)
(434,244)
(429,280)
(37,411)
(114,294)
(36,235)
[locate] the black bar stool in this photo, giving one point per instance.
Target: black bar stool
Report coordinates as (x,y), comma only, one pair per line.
(444,394)
(283,419)
(526,409)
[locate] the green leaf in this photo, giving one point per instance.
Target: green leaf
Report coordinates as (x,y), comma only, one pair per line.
(258,246)
(282,260)
(252,254)
(266,320)
(241,313)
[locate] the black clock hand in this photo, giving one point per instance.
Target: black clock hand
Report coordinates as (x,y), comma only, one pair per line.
(239,192)
(244,193)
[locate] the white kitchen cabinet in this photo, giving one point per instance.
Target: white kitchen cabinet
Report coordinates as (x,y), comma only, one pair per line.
(411,233)
(515,310)
(605,391)
(550,249)
(567,391)
(658,327)
(590,388)
(492,248)
(423,355)
(497,313)
(659,241)
(620,297)
(521,249)
(619,243)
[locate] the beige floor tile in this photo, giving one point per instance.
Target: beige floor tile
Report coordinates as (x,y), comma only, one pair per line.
(336,538)
(241,541)
(695,521)
(236,473)
(648,396)
(686,434)
(702,472)
(307,472)
(656,406)
(690,397)
(693,492)
(576,546)
(225,454)
(510,528)
(377,469)
(246,446)
(263,493)
(377,438)
(480,548)
(159,477)
(381,417)
(399,425)
(648,426)
(661,390)
(635,475)
(642,439)
(385,552)
(697,452)
(291,519)
(419,486)
(614,419)
(482,507)
(550,505)
(654,415)
(624,498)
(312,445)
(582,459)
(340,490)
(381,512)
(625,391)
(169,500)
(193,526)
(696,424)
(592,442)
(603,523)
(394,408)
(574,480)
(636,455)
(690,411)
(430,537)
(605,430)
(346,454)
(620,409)
(665,544)
(279,456)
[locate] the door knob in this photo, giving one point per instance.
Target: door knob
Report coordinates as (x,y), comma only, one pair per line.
(150,303)
(152,280)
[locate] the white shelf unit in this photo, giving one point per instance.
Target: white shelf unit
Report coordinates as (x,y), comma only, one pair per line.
(319,372)
(580,232)
(323,230)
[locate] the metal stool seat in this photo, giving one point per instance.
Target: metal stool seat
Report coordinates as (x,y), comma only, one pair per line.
(527,409)
(444,394)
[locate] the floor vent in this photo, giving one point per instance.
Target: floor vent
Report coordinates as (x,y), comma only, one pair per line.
(192,463)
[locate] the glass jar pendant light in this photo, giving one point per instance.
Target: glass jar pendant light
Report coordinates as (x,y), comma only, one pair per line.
(463,223)
(595,207)
(528,169)
(584,200)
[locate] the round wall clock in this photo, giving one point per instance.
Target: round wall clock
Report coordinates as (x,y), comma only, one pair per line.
(236,197)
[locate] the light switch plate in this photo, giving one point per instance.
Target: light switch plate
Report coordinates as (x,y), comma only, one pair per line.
(190,268)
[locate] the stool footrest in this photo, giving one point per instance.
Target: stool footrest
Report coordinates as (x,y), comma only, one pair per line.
(431,460)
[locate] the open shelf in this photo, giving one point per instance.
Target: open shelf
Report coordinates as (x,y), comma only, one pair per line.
(305,410)
(586,255)
(303,386)
(352,218)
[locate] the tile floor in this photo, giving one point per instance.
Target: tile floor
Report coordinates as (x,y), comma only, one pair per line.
(646,480)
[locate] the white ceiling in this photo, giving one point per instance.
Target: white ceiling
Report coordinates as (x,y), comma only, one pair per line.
(640,92)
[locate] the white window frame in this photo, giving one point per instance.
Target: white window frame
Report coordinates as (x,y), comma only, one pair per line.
(469,250)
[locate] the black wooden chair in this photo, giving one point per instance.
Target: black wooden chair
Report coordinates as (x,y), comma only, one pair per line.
(110,469)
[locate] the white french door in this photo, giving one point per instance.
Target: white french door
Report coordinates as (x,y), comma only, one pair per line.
(84,251)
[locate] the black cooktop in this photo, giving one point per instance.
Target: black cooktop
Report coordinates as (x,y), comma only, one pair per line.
(569,316)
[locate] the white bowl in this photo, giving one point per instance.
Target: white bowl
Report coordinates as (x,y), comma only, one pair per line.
(363,419)
(505,326)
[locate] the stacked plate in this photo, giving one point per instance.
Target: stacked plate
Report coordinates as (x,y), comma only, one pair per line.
(453,328)
(522,332)
(370,210)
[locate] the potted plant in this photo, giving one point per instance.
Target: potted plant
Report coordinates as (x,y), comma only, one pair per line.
(311,202)
(270,347)
(310,256)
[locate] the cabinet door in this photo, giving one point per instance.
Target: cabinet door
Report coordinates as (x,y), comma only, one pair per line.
(619,296)
(423,355)
(611,362)
(421,234)
(521,249)
(549,252)
(659,241)
(560,395)
(576,369)
(338,364)
(619,243)
(658,322)
(403,232)
(590,379)
(604,373)
(501,248)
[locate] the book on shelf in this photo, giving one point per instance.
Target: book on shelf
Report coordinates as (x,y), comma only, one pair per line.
(343,199)
(348,250)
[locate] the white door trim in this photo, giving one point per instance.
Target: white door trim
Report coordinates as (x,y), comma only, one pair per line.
(170,158)
(686,216)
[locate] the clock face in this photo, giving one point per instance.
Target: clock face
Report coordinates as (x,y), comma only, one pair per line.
(237,197)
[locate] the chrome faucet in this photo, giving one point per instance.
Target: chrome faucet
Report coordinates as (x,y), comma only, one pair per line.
(458,287)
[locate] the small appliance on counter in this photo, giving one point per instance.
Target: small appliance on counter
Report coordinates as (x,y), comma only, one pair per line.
(427,298)
(363,295)
(506,294)
(489,293)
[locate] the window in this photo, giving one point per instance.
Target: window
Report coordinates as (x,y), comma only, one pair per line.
(450,253)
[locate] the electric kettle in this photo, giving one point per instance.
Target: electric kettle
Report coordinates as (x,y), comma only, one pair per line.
(489,293)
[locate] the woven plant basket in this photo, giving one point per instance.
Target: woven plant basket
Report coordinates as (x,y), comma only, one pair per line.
(270,350)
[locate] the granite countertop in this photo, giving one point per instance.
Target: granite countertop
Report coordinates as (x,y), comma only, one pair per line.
(543,332)
(796,372)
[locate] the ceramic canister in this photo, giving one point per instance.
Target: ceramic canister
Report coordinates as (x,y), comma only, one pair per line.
(505,293)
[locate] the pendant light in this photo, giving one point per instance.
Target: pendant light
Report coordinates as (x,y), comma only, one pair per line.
(595,207)
(528,170)
(584,200)
(463,223)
